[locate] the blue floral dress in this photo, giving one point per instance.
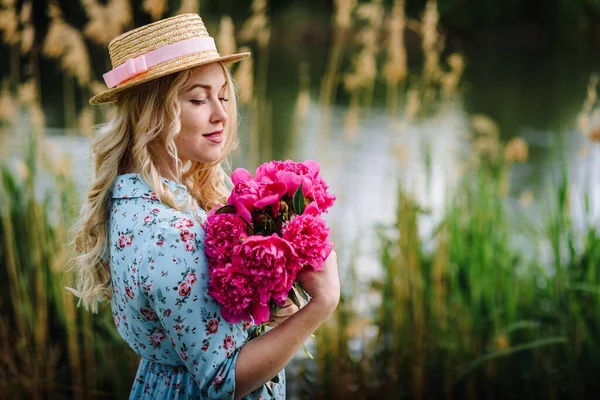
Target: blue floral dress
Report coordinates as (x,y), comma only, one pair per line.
(160,301)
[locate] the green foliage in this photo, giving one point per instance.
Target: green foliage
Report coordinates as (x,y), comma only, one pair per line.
(475,314)
(50,348)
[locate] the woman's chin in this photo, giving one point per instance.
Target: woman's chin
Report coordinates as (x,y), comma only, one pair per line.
(208,158)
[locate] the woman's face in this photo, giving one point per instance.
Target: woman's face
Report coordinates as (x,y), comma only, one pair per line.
(203,115)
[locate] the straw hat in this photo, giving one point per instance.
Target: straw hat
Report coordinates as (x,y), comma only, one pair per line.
(158,49)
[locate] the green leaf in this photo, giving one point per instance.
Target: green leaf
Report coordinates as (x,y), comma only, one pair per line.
(294,298)
(562,340)
(269,390)
(275,379)
(301,291)
(226,210)
(298,201)
(307,352)
(272,227)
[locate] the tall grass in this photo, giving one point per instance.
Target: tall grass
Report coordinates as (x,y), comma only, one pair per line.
(48,347)
(476,316)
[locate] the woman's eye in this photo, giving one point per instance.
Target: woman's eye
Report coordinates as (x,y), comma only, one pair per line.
(223,99)
(198,102)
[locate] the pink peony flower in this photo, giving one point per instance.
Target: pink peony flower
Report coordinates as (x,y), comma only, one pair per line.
(245,193)
(249,273)
(270,194)
(231,288)
(310,237)
(320,195)
(223,232)
(266,260)
(291,173)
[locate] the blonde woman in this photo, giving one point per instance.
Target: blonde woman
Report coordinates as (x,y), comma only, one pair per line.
(158,171)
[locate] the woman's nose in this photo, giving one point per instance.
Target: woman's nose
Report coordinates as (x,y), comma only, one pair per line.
(219,112)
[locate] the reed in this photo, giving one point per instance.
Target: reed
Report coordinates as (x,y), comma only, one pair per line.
(50,348)
(257,29)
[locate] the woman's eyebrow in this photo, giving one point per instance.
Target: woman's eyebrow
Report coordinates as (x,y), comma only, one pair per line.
(203,86)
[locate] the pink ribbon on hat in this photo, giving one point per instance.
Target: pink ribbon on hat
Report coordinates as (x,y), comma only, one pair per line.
(135,66)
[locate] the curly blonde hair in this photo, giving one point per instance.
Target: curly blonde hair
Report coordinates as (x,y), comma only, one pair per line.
(133,138)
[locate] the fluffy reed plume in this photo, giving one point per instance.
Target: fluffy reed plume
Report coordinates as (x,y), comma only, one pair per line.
(594,134)
(65,43)
(97,87)
(395,69)
(244,78)
(450,80)
(27,93)
(365,63)
(257,28)
(526,197)
(588,120)
(106,21)
(431,42)
(28,96)
(37,117)
(485,141)
(343,21)
(484,125)
(9,22)
(361,80)
(85,121)
(413,104)
(351,122)
(188,6)
(516,150)
(226,37)
(303,99)
(401,154)
(302,107)
(28,31)
(155,8)
(8,106)
(343,13)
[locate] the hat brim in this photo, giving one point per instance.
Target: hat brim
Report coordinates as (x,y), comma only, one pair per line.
(168,67)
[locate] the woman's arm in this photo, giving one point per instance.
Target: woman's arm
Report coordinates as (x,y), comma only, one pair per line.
(262,358)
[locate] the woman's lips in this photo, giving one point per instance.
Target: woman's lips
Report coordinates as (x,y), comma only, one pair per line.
(215,137)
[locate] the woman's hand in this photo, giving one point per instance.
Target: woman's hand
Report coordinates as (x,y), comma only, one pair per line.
(323,286)
(263,357)
(288,309)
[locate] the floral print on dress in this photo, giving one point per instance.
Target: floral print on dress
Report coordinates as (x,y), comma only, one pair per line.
(160,301)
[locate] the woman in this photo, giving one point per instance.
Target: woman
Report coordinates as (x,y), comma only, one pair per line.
(158,170)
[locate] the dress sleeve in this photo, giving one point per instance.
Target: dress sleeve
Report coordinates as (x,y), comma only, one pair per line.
(174,276)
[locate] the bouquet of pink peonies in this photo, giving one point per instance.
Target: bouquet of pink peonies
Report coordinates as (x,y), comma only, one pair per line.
(270,229)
